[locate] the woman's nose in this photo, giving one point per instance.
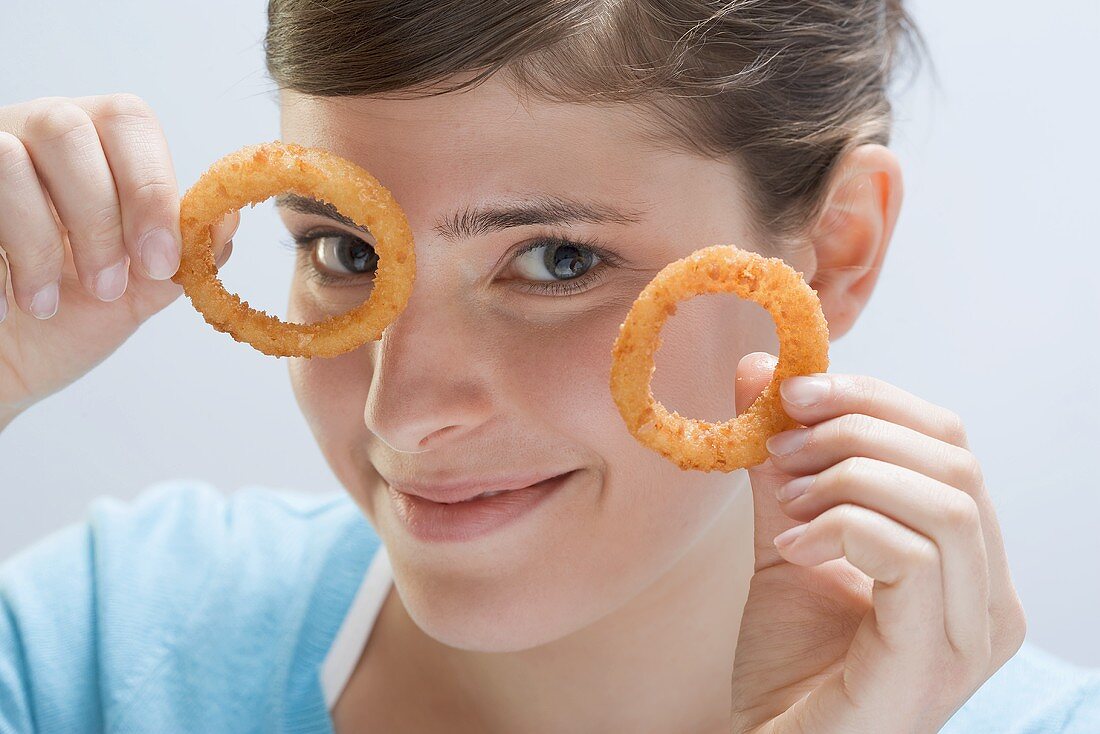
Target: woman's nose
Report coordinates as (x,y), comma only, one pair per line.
(427,390)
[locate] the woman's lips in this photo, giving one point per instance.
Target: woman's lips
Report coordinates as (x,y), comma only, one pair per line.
(437,522)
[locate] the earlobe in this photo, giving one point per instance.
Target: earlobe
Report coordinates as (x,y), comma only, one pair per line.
(852,233)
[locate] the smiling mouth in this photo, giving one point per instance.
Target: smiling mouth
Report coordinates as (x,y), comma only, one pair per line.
(483,495)
(471,517)
(497,492)
(461,491)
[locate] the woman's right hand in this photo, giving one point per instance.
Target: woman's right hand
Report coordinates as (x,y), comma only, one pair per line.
(89,225)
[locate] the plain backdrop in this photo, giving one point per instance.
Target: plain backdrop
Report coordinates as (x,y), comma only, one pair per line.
(987,302)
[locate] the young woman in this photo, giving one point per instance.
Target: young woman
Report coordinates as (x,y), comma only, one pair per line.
(507,558)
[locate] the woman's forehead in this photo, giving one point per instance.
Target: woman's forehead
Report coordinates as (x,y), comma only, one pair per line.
(486,128)
(486,144)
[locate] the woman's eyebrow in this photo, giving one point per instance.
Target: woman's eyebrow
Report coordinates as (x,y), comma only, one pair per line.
(541,209)
(306,205)
(484,218)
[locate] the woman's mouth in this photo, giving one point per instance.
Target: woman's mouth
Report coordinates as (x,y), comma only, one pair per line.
(467,519)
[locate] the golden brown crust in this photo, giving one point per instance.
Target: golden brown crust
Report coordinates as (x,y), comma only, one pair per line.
(803,349)
(258,172)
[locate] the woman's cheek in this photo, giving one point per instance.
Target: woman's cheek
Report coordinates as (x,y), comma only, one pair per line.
(331,393)
(651,508)
(557,372)
(701,345)
(557,377)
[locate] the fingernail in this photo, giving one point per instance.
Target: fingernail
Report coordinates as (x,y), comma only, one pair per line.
(804,391)
(110,284)
(794,488)
(789,536)
(235,217)
(160,255)
(787,442)
(3,307)
(44,302)
(227,250)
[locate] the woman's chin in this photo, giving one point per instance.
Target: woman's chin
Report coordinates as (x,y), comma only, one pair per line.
(488,624)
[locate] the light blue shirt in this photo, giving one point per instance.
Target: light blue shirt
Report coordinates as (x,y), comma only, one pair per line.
(186,610)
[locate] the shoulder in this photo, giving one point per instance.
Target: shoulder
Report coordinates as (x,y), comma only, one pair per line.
(1033,693)
(169,596)
(176,538)
(193,525)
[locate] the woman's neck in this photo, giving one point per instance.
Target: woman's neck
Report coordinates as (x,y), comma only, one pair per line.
(662,662)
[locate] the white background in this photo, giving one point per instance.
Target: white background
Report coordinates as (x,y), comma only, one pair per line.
(987,302)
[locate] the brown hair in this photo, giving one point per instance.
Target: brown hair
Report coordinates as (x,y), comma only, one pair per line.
(784,87)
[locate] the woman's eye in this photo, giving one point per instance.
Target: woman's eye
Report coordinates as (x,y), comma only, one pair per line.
(558,266)
(337,256)
(555,261)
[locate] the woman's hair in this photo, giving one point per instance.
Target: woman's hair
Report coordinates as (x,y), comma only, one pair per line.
(784,87)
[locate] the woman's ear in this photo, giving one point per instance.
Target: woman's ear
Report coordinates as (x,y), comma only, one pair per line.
(853,231)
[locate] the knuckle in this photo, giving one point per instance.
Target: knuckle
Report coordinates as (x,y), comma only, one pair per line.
(34,263)
(868,389)
(921,553)
(24,110)
(839,516)
(960,510)
(57,120)
(13,156)
(854,425)
(46,101)
(954,428)
(102,228)
(850,470)
(152,190)
(124,104)
(966,470)
(10,145)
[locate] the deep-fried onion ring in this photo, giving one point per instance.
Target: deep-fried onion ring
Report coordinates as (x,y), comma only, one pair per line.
(803,349)
(258,172)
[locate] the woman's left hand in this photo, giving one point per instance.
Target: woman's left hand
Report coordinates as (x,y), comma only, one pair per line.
(889,602)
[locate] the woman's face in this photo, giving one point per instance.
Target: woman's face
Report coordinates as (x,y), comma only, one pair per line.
(499,364)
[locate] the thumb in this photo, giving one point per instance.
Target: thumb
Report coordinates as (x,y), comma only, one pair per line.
(222,236)
(754,372)
(151,296)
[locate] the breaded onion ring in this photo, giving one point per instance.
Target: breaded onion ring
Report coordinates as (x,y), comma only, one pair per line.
(258,172)
(803,349)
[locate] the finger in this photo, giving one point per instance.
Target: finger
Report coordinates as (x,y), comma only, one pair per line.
(69,158)
(3,289)
(152,295)
(141,167)
(815,448)
(906,567)
(858,435)
(898,647)
(224,253)
(754,372)
(221,234)
(935,510)
(811,399)
(29,234)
